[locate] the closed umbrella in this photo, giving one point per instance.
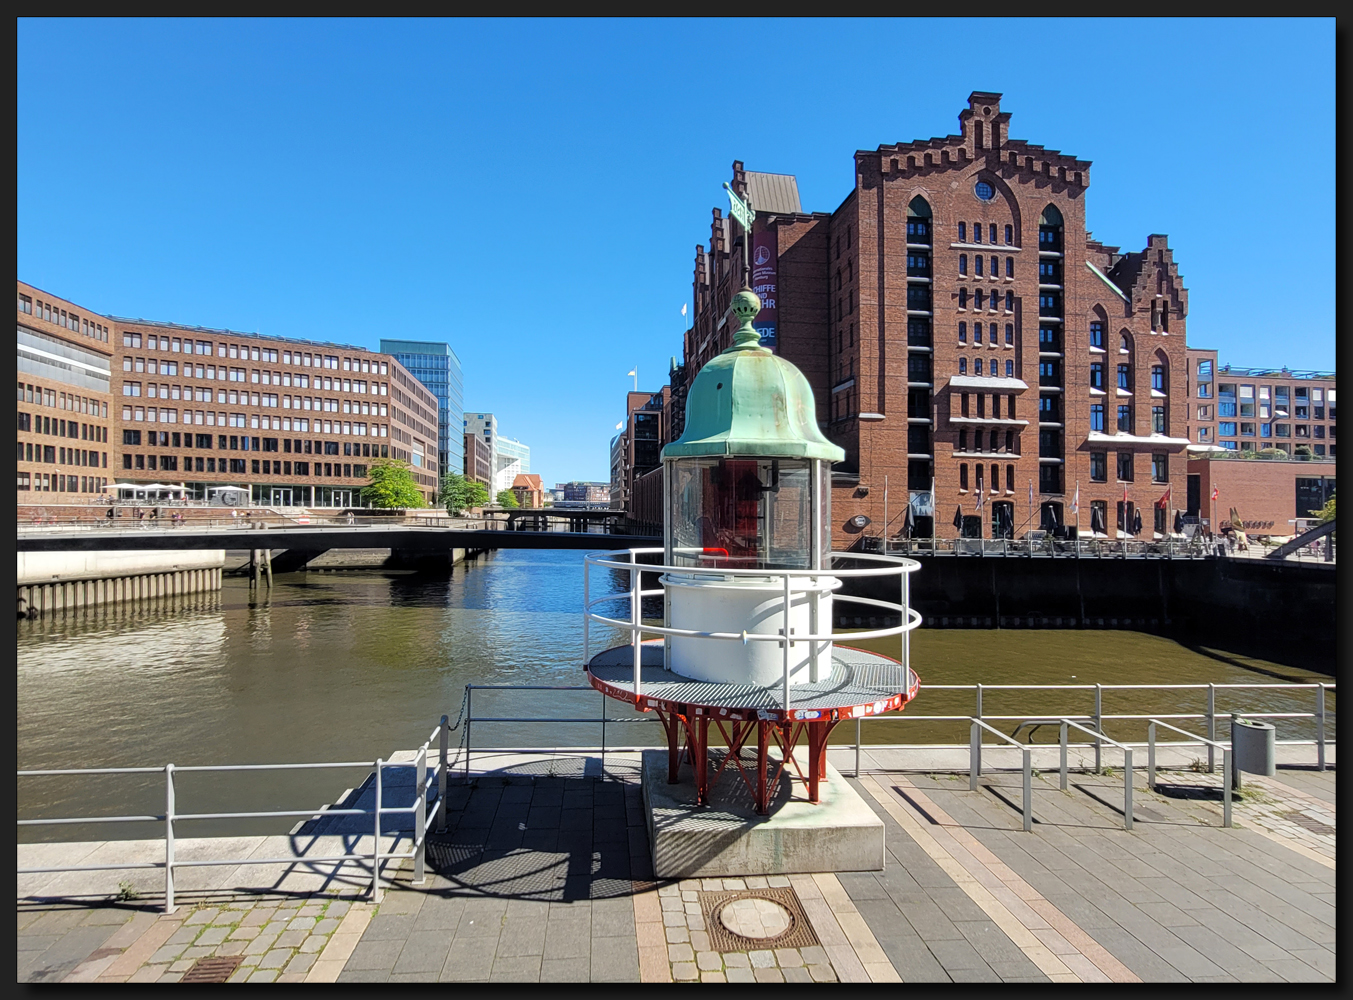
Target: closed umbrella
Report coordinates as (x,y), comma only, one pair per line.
(908,525)
(1097,525)
(1136,522)
(1046,520)
(958,516)
(1178,522)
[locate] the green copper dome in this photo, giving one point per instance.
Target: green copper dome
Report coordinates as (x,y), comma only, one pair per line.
(748,401)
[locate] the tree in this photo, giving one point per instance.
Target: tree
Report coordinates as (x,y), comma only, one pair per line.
(506,498)
(390,485)
(459,494)
(1325,513)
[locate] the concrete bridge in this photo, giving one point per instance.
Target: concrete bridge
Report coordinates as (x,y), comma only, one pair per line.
(315,538)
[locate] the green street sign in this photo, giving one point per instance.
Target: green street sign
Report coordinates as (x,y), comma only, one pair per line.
(739,210)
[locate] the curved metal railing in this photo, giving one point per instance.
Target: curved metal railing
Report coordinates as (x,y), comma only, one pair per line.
(626,560)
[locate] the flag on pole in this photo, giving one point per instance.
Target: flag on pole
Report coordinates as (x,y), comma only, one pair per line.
(620,425)
(1164,502)
(1076,501)
(683,309)
(1214,494)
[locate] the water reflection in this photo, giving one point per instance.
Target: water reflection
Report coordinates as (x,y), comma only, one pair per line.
(354,665)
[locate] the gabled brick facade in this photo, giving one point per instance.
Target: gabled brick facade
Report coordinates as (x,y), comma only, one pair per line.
(944,315)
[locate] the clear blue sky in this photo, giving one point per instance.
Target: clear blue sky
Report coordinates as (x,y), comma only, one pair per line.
(533,191)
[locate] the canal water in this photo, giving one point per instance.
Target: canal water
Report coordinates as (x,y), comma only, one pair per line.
(351,666)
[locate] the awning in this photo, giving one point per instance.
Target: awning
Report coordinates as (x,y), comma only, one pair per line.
(988,382)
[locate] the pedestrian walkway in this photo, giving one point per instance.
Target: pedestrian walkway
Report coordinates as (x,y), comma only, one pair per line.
(546,878)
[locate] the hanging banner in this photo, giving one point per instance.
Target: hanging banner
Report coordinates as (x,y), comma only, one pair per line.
(765,270)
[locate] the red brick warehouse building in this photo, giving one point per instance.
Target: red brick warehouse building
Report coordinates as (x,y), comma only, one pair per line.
(960,327)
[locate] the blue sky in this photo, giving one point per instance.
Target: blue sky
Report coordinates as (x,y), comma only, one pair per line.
(533,191)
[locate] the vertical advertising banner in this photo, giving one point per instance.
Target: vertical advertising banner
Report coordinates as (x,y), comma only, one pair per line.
(765,262)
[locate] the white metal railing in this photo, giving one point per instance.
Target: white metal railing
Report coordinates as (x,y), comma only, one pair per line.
(1227,768)
(975,766)
(626,560)
(423,783)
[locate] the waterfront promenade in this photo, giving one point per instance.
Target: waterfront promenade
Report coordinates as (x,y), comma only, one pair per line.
(543,875)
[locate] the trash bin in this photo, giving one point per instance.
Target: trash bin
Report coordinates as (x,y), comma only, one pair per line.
(1252,748)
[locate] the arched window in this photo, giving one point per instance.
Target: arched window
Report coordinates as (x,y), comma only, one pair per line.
(963,298)
(992,331)
(918,221)
(995,478)
(977,333)
(1010,334)
(978,366)
(963,232)
(1009,369)
(963,366)
(1010,447)
(963,261)
(1097,334)
(1050,229)
(1010,239)
(977,265)
(963,333)
(1009,265)
(1009,472)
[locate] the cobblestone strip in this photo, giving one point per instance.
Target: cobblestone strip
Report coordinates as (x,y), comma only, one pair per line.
(277,942)
(1053,942)
(1265,806)
(654,963)
(855,952)
(341,945)
(139,951)
(690,953)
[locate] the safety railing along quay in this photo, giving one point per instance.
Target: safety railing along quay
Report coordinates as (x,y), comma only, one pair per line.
(424,779)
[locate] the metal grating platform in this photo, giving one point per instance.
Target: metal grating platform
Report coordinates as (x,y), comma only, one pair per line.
(861,683)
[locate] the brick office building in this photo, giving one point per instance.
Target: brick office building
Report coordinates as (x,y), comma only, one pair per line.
(300,422)
(65,399)
(960,326)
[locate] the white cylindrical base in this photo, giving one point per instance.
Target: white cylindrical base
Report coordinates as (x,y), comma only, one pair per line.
(755,606)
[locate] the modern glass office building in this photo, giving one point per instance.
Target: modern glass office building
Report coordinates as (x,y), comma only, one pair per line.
(435,365)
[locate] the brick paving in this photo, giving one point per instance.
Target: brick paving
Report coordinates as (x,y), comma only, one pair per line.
(548,879)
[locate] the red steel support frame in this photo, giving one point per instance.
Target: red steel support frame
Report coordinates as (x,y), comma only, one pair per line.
(695,727)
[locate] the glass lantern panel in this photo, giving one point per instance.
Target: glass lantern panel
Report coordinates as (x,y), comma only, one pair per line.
(740,513)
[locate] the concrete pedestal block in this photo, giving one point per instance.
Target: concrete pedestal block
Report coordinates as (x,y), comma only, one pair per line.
(728,839)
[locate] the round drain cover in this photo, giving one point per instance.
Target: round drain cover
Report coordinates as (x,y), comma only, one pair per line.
(755,918)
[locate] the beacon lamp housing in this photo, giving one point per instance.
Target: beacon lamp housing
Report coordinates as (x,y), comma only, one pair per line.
(748,487)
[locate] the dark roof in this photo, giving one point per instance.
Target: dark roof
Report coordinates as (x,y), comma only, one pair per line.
(774,194)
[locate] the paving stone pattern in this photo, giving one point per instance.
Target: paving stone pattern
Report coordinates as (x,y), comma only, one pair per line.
(548,879)
(1177,899)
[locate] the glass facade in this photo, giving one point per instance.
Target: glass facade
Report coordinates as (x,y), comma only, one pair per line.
(435,365)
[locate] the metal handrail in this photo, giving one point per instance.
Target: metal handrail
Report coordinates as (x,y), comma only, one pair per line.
(1101,738)
(419,808)
(975,766)
(1227,762)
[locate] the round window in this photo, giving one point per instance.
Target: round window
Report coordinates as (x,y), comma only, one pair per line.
(984,190)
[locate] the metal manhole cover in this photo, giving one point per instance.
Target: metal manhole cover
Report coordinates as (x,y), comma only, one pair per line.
(754,919)
(212,970)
